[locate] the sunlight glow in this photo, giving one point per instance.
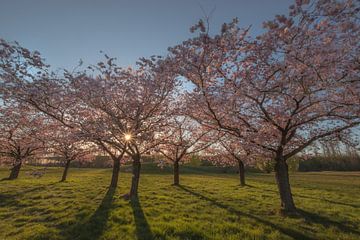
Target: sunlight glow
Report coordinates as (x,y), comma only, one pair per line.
(127,137)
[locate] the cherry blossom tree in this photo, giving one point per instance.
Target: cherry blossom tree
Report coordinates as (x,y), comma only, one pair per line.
(72,104)
(132,104)
(18,67)
(137,101)
(183,138)
(305,65)
(229,151)
(21,135)
(97,128)
(26,78)
(284,90)
(69,145)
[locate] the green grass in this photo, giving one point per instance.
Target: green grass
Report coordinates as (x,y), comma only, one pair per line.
(206,206)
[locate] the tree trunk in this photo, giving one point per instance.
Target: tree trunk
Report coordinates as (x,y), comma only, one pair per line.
(115,173)
(135,176)
(242,173)
(15,170)
(283,183)
(66,168)
(176,173)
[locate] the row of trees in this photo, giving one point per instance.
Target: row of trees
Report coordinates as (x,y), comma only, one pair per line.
(253,99)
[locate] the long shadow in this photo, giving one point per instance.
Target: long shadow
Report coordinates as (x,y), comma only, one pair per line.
(249,185)
(291,233)
(321,199)
(10,200)
(43,187)
(95,226)
(326,222)
(265,189)
(329,201)
(143,231)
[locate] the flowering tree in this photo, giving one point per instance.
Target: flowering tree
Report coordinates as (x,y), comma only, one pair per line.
(26,78)
(18,68)
(131,104)
(301,96)
(95,128)
(114,104)
(229,151)
(69,145)
(183,138)
(20,135)
(73,104)
(284,90)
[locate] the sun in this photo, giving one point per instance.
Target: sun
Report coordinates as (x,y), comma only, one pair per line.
(127,137)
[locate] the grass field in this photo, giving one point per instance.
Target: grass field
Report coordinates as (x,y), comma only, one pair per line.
(205,206)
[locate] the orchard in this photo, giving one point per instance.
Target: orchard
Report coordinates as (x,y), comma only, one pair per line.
(227,98)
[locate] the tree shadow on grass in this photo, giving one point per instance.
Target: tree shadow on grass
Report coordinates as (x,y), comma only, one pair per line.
(327,200)
(326,222)
(143,231)
(290,232)
(314,198)
(8,200)
(11,199)
(95,226)
(265,189)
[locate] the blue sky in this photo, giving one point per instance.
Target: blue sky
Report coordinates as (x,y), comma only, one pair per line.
(66,30)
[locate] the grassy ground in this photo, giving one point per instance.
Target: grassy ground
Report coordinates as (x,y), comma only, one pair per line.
(206,206)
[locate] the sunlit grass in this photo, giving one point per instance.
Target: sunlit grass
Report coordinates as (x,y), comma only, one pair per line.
(205,206)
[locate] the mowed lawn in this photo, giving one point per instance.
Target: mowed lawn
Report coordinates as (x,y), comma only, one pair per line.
(206,206)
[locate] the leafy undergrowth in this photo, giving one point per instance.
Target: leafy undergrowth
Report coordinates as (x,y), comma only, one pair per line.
(205,206)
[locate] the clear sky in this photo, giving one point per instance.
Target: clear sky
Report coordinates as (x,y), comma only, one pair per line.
(66,30)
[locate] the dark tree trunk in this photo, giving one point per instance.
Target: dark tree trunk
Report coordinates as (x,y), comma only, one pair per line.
(115,173)
(242,173)
(176,173)
(15,170)
(283,183)
(66,168)
(135,177)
